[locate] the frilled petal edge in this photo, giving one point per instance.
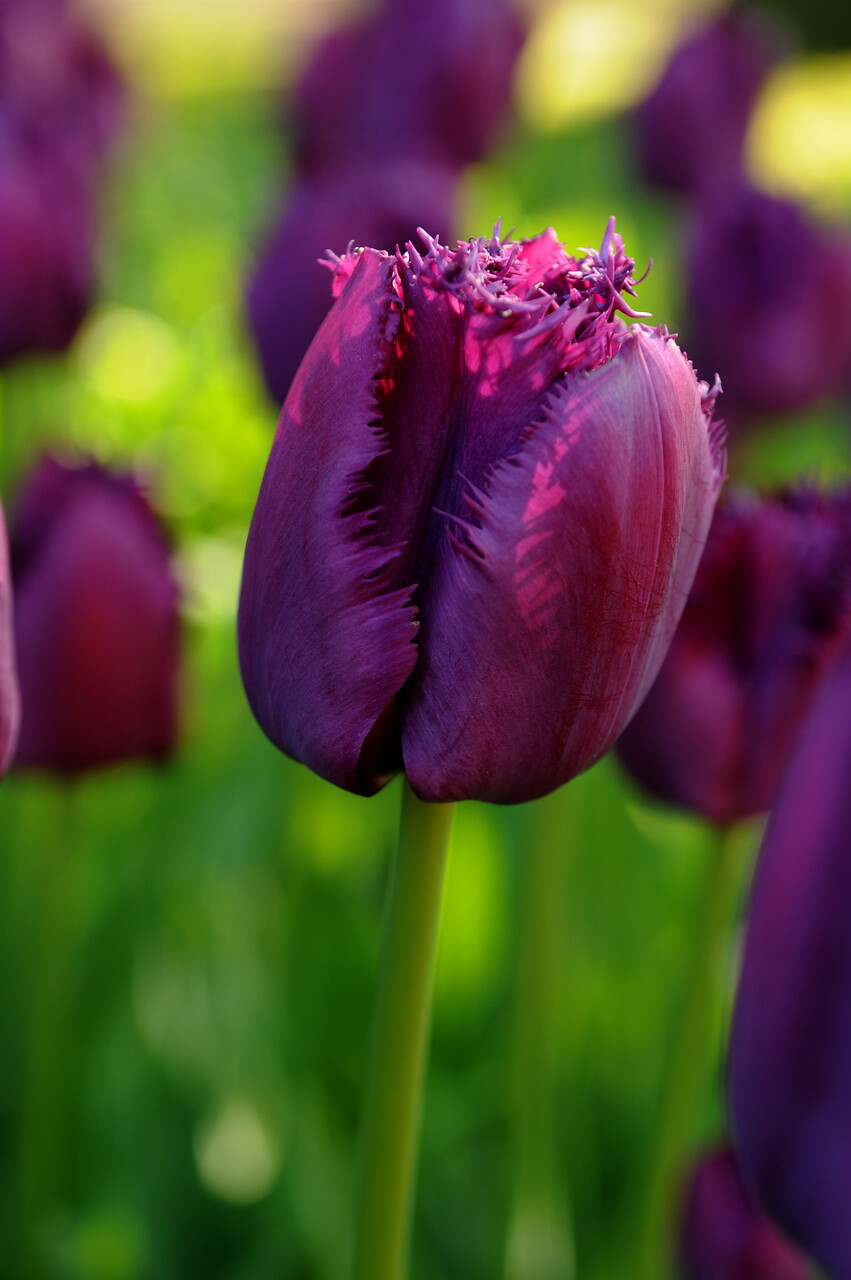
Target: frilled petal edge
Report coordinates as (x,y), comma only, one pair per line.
(324,645)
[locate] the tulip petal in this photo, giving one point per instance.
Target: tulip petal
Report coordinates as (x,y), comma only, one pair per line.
(324,645)
(790,1059)
(545,624)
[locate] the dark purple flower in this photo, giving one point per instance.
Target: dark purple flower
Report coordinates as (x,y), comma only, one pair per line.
(46,247)
(725,1235)
(96,621)
(55,76)
(289,292)
(480,519)
(409,81)
(790,1058)
(769,302)
(10,703)
(691,129)
(765,613)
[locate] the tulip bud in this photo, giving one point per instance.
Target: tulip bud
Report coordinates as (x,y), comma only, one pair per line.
(378,204)
(691,129)
(480,519)
(762,621)
(790,1056)
(410,81)
(769,302)
(95,621)
(10,703)
(726,1236)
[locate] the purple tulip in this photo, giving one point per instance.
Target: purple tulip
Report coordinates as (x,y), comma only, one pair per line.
(95,621)
(10,703)
(790,1058)
(378,204)
(726,1236)
(410,81)
(55,75)
(46,247)
(763,619)
(691,130)
(769,300)
(481,516)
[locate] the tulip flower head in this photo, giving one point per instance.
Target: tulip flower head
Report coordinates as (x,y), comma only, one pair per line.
(790,1054)
(95,621)
(10,703)
(480,519)
(691,128)
(761,624)
(726,1236)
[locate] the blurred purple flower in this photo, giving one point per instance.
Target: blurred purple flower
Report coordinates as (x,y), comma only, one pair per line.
(96,621)
(46,247)
(690,131)
(480,519)
(378,204)
(790,1058)
(10,703)
(769,302)
(56,76)
(409,81)
(764,616)
(726,1236)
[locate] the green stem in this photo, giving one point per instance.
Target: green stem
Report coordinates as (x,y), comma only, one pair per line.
(393,1104)
(688,1065)
(540,1240)
(42,1117)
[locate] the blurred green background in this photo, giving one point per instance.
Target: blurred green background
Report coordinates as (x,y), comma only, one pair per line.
(215,922)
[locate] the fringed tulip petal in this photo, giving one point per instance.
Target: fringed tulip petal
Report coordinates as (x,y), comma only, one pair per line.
(790,1058)
(315,602)
(551,608)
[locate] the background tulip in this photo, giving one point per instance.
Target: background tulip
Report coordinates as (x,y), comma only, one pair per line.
(480,519)
(761,624)
(691,129)
(95,621)
(790,1056)
(410,81)
(378,204)
(725,1234)
(769,302)
(9,698)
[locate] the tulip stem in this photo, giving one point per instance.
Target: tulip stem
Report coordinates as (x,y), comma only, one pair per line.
(539,1244)
(393,1104)
(686,1074)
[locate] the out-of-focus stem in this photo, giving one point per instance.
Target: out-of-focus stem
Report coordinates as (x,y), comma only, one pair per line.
(42,1150)
(540,1239)
(687,1068)
(401,1031)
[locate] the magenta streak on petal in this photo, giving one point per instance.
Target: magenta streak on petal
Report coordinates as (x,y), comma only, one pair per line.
(325,646)
(533,658)
(10,704)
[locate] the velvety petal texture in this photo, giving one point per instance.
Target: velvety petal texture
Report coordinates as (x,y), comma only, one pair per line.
(690,131)
(769,302)
(10,701)
(726,1235)
(479,523)
(763,620)
(96,621)
(409,81)
(790,1057)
